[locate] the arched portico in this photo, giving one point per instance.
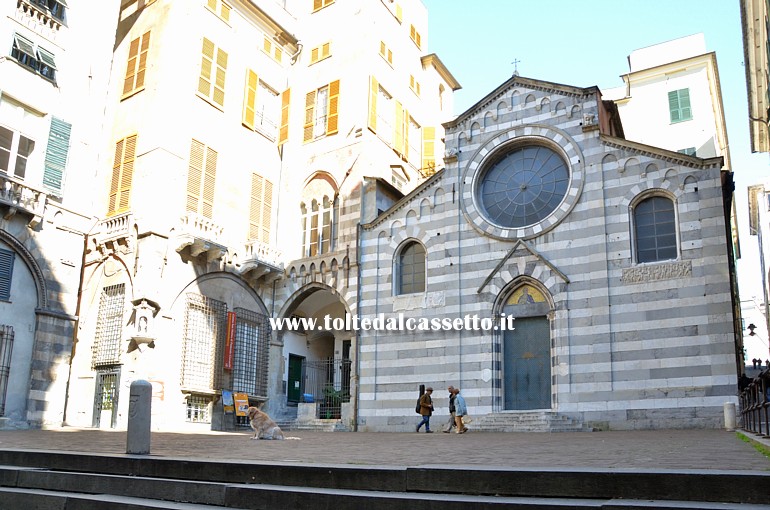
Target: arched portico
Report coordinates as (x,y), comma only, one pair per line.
(318,351)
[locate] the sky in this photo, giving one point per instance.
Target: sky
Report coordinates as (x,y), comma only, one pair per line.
(587,42)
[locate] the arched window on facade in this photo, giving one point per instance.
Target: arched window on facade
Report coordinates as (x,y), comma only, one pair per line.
(410,269)
(655,229)
(320,213)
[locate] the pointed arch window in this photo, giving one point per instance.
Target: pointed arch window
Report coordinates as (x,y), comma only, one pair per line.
(410,269)
(655,229)
(319,226)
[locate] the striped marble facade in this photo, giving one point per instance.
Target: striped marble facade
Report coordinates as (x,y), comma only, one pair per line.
(632,345)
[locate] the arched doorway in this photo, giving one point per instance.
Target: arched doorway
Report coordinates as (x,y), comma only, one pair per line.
(527,350)
(318,369)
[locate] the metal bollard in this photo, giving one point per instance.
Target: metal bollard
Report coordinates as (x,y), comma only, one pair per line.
(729,409)
(139,405)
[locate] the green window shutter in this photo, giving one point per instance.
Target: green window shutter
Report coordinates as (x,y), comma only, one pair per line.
(684,104)
(679,105)
(6,271)
(56,154)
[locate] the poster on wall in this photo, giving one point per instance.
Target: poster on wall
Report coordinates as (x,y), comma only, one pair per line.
(230,341)
(227,402)
(241,404)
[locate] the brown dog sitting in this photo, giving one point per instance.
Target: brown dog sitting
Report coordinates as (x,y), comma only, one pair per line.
(263,426)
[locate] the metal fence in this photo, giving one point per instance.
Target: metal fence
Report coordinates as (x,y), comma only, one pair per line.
(755,405)
(327,382)
(6,349)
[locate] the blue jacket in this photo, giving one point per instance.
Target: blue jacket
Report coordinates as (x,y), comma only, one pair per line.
(460,408)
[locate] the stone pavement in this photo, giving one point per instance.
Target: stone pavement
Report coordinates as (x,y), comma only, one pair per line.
(655,449)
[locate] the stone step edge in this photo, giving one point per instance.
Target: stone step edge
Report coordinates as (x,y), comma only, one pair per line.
(245,494)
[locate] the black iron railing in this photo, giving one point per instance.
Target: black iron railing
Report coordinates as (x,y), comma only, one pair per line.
(755,405)
(327,383)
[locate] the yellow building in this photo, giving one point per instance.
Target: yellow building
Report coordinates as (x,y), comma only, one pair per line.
(242,137)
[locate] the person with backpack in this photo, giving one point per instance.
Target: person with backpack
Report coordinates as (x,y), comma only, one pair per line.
(426,410)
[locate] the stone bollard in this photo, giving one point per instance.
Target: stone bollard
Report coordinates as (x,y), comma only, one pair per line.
(729,408)
(139,405)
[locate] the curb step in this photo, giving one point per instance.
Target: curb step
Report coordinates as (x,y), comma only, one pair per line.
(12,498)
(281,497)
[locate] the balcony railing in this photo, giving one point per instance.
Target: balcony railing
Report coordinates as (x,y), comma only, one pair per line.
(17,197)
(260,259)
(201,235)
(41,13)
(113,231)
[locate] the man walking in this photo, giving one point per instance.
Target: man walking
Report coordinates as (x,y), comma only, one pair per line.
(426,409)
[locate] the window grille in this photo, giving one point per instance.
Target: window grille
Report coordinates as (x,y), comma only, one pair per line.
(106,395)
(198,409)
(109,327)
(6,349)
(252,334)
(204,339)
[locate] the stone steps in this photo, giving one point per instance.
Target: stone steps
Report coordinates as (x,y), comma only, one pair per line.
(44,489)
(73,481)
(528,421)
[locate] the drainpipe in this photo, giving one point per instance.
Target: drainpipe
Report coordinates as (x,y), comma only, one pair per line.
(358,310)
(76,324)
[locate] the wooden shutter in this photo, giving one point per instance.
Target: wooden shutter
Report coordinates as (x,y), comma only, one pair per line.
(122,175)
(137,64)
(213,5)
(428,150)
(224,12)
(398,135)
(407,126)
(195,175)
(332,119)
(673,106)
(6,272)
(283,133)
(127,173)
(267,211)
(56,154)
(314,55)
(260,212)
(250,99)
(255,209)
(209,181)
(207,65)
(309,116)
(142,65)
(374,90)
(115,180)
(219,83)
(317,4)
(326,49)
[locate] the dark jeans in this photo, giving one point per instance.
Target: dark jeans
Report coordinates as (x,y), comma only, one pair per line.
(426,421)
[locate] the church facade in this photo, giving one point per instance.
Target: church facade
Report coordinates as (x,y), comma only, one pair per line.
(608,257)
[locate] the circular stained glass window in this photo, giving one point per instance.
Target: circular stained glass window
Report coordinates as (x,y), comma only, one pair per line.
(523,187)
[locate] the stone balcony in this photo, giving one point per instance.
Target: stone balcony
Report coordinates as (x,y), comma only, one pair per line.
(201,236)
(114,233)
(259,260)
(34,15)
(19,198)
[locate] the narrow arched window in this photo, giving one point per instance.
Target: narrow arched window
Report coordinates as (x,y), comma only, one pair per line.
(411,269)
(655,230)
